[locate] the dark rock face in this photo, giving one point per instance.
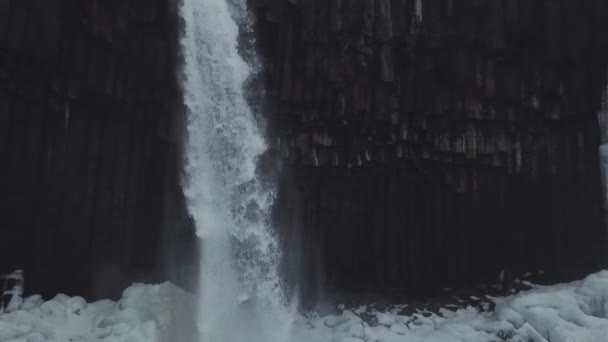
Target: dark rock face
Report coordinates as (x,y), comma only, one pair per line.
(89,148)
(436,144)
(422,146)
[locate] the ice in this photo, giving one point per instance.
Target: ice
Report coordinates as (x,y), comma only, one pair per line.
(574,312)
(146,313)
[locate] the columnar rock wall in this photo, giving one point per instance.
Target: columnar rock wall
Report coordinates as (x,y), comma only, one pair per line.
(432,143)
(89,152)
(424,143)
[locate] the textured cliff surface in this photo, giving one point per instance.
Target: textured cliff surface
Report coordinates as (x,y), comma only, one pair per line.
(431,143)
(424,143)
(89,152)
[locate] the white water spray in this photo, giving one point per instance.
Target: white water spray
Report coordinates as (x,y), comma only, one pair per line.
(241,297)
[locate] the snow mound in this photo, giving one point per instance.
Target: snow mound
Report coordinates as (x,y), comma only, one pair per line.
(146,313)
(575,312)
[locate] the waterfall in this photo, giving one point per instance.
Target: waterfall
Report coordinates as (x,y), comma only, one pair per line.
(418,10)
(240,292)
(603,150)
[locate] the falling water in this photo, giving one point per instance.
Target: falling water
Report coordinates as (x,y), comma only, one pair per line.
(603,123)
(418,10)
(241,296)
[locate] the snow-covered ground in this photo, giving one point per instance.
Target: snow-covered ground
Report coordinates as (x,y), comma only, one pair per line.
(145,313)
(575,312)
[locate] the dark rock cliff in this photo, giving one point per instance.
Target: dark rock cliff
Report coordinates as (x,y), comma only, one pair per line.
(423,144)
(435,143)
(89,150)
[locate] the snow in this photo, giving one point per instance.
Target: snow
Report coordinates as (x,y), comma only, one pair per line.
(145,313)
(574,312)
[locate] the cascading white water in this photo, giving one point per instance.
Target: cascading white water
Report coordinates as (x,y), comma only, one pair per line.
(241,297)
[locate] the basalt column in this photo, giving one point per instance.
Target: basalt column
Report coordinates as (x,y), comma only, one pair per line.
(435,143)
(89,145)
